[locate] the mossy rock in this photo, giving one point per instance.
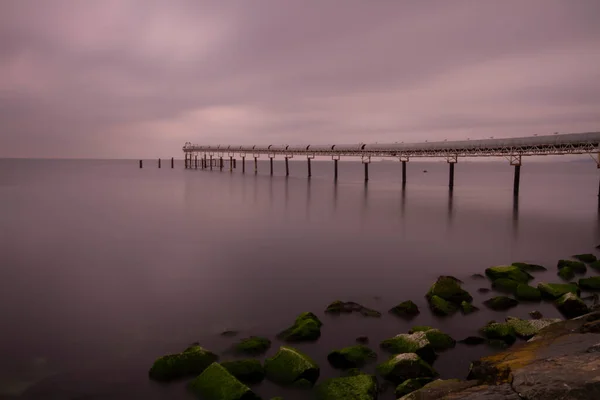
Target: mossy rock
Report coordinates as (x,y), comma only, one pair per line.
(467,308)
(192,361)
(351,357)
(505,285)
(420,328)
(307,327)
(528,293)
(555,290)
(566,273)
(501,303)
(247,371)
(254,345)
(571,306)
(405,309)
(586,258)
(576,266)
(595,265)
(410,343)
(441,307)
(472,340)
(508,272)
(440,340)
(216,383)
(358,387)
(410,385)
(347,307)
(528,328)
(499,331)
(592,283)
(289,366)
(405,366)
(529,267)
(449,289)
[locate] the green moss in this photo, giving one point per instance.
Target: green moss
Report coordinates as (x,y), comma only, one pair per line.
(350,357)
(529,267)
(247,371)
(253,345)
(406,309)
(499,331)
(441,307)
(410,343)
(501,303)
(216,383)
(448,288)
(555,290)
(307,327)
(571,306)
(359,387)
(290,365)
(528,328)
(410,385)
(192,361)
(508,272)
(592,283)
(528,293)
(338,307)
(420,328)
(467,308)
(586,258)
(507,285)
(576,266)
(439,340)
(405,366)
(566,273)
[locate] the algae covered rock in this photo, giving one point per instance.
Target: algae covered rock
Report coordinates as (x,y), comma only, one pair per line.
(420,328)
(351,357)
(290,366)
(528,328)
(247,371)
(571,306)
(472,340)
(529,267)
(307,327)
(501,303)
(555,290)
(192,361)
(528,293)
(441,307)
(358,387)
(347,307)
(410,343)
(576,266)
(410,385)
(508,272)
(467,308)
(586,258)
(449,289)
(595,265)
(254,345)
(506,285)
(566,273)
(499,331)
(405,366)
(439,340)
(216,383)
(592,283)
(405,309)
(535,314)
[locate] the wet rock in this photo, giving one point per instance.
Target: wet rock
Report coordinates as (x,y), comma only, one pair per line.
(359,387)
(528,328)
(593,298)
(463,390)
(290,366)
(216,383)
(441,307)
(192,361)
(439,389)
(229,333)
(307,327)
(483,290)
(576,266)
(505,285)
(508,272)
(529,267)
(438,339)
(351,357)
(528,293)
(410,385)
(448,288)
(571,306)
(477,276)
(405,366)
(499,331)
(592,283)
(467,308)
(362,339)
(566,273)
(347,307)
(254,345)
(410,343)
(247,371)
(405,309)
(501,303)
(586,258)
(595,265)
(535,314)
(472,340)
(555,290)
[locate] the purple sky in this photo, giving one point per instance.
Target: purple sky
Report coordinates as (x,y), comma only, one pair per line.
(116,78)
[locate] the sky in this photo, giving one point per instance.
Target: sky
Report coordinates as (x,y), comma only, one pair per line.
(139,78)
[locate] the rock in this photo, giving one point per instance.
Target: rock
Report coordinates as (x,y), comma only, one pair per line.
(441,307)
(362,339)
(497,344)
(499,331)
(576,266)
(410,343)
(448,288)
(483,290)
(505,285)
(216,383)
(359,387)
(529,267)
(586,258)
(555,290)
(290,366)
(405,366)
(229,333)
(339,307)
(192,361)
(254,345)
(247,371)
(595,265)
(352,372)
(501,303)
(528,293)
(467,308)
(307,327)
(528,328)
(405,309)
(351,357)
(508,272)
(477,276)
(592,283)
(472,340)
(571,306)
(594,298)
(410,385)
(566,273)
(535,314)
(420,328)
(439,340)
(440,389)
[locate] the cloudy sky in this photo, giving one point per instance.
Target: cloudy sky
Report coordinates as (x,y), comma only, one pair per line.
(129,79)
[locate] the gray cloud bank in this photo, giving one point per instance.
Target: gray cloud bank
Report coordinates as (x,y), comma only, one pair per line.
(138,78)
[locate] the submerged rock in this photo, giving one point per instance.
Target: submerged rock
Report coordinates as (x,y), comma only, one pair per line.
(290,366)
(247,371)
(410,343)
(586,258)
(529,267)
(506,285)
(528,328)
(216,383)
(339,307)
(501,303)
(477,276)
(254,345)
(508,272)
(406,309)
(499,331)
(595,265)
(351,357)
(566,273)
(571,306)
(528,293)
(448,288)
(192,361)
(483,290)
(410,385)
(576,266)
(467,308)
(441,389)
(362,339)
(405,366)
(472,340)
(307,327)
(358,387)
(535,314)
(555,290)
(441,307)
(592,283)
(229,333)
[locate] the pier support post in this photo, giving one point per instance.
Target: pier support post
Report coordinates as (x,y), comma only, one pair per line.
(366,172)
(221,163)
(255,165)
(211,162)
(287,167)
(141,164)
(403,173)
(309,170)
(196,162)
(451,177)
(243,165)
(172,162)
(335,167)
(159,163)
(234,163)
(230,164)
(271,164)
(517,180)
(186,160)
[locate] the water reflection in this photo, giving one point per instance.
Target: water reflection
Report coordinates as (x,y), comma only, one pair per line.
(450,206)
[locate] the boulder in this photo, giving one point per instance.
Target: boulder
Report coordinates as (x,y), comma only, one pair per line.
(477,276)
(529,267)
(555,290)
(307,327)
(586,258)
(528,328)
(358,387)
(505,285)
(535,314)
(351,357)
(216,383)
(467,308)
(439,340)
(566,273)
(405,309)
(247,371)
(290,366)
(483,290)
(501,303)
(499,331)
(190,362)
(362,339)
(229,333)
(410,343)
(528,293)
(347,307)
(448,288)
(405,366)
(571,306)
(508,272)
(441,389)
(595,265)
(472,340)
(410,385)
(576,266)
(441,307)
(254,345)
(592,283)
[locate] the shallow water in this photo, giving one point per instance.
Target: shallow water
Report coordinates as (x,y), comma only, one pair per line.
(104,267)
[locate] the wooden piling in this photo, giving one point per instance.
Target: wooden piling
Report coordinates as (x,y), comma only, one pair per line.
(196,162)
(243,165)
(159,163)
(335,170)
(366,171)
(255,165)
(403,173)
(172,162)
(221,163)
(517,180)
(141,164)
(230,164)
(451,178)
(309,171)
(287,167)
(271,164)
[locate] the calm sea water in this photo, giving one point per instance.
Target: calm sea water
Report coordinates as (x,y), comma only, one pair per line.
(104,267)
